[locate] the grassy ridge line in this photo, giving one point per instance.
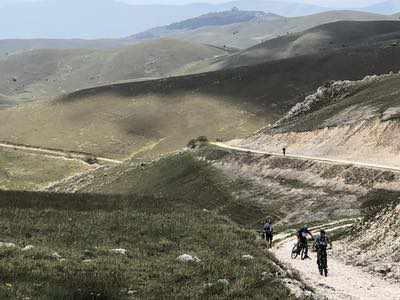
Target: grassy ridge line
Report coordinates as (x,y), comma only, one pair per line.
(364,62)
(180,176)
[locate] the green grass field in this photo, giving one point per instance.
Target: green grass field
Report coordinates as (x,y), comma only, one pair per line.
(175,206)
(23,171)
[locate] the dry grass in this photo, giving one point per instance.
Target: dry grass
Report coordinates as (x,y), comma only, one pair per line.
(22,171)
(45,73)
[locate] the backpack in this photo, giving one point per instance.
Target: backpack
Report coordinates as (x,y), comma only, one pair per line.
(268,228)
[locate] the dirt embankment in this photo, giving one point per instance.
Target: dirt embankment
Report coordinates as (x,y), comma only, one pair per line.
(371,141)
(301,190)
(375,244)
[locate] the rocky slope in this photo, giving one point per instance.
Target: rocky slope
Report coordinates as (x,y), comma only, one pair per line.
(337,119)
(375,244)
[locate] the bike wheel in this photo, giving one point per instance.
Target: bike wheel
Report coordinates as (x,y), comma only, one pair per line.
(295,253)
(303,253)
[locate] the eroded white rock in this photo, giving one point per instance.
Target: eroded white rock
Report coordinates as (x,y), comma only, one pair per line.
(248,257)
(119,251)
(27,248)
(188,258)
(7,245)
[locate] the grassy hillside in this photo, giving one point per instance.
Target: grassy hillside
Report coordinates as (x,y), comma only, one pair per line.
(154,117)
(247,34)
(321,39)
(22,171)
(182,207)
(13,46)
(287,190)
(41,74)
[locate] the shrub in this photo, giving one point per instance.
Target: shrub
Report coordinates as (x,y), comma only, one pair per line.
(198,142)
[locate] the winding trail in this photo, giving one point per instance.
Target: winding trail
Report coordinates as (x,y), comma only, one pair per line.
(56,153)
(315,158)
(344,282)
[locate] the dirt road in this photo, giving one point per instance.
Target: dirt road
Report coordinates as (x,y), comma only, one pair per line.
(322,159)
(343,282)
(56,153)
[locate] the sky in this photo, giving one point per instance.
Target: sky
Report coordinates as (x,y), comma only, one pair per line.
(329,3)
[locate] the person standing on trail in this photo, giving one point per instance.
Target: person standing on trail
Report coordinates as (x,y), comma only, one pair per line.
(302,234)
(284,151)
(268,232)
(321,244)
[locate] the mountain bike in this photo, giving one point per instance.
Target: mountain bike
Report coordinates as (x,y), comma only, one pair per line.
(298,249)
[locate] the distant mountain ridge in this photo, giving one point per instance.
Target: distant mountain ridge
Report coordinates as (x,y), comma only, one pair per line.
(387,7)
(112,19)
(218,18)
(250,33)
(223,18)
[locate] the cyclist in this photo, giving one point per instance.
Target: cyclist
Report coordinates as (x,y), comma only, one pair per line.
(321,244)
(302,234)
(268,232)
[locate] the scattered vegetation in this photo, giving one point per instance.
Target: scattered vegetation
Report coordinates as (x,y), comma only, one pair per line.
(198,142)
(169,217)
(377,200)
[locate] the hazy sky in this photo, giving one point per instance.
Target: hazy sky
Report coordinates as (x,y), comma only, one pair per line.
(333,3)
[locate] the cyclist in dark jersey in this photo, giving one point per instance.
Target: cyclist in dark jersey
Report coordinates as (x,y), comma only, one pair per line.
(302,234)
(268,232)
(321,244)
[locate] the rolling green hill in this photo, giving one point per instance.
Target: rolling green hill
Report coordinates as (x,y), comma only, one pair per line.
(250,33)
(47,73)
(145,119)
(321,39)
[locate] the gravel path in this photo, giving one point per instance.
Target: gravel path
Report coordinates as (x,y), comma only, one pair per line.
(343,282)
(322,159)
(55,153)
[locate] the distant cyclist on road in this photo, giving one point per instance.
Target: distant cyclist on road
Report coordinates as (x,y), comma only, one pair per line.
(268,231)
(302,234)
(321,244)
